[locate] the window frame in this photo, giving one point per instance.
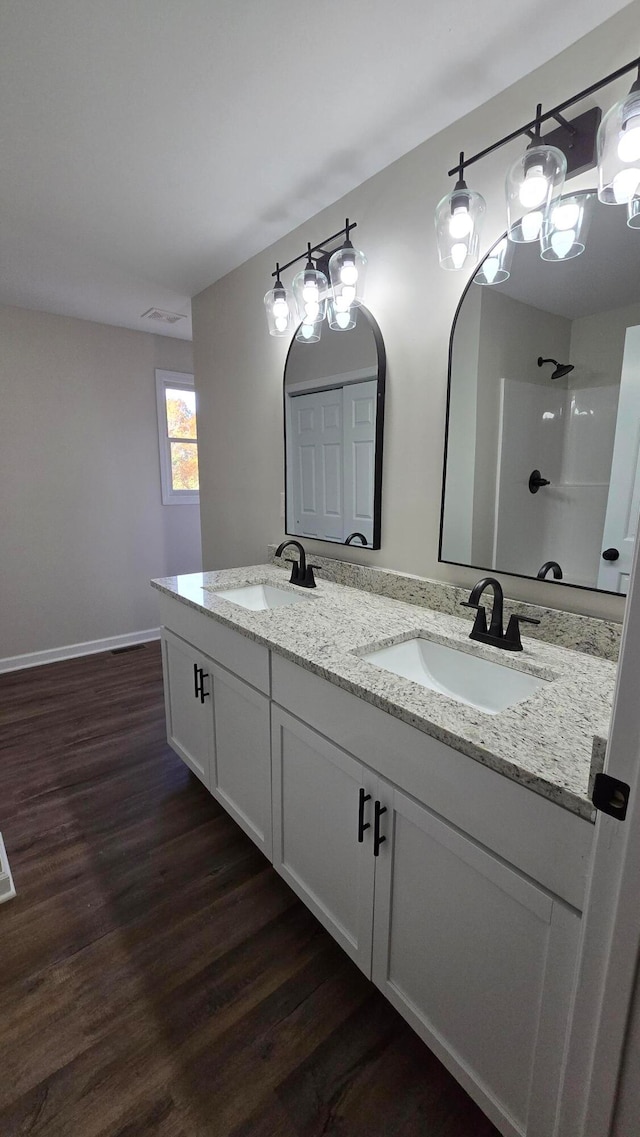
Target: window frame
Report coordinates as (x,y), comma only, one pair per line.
(181,381)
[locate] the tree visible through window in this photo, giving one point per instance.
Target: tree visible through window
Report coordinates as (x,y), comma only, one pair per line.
(182,433)
(178,438)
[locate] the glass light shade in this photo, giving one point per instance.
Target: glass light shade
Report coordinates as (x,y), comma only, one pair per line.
(633,213)
(458,222)
(496,266)
(564,231)
(280,308)
(340,317)
(347,270)
(533,181)
(310,288)
(309,331)
(619,151)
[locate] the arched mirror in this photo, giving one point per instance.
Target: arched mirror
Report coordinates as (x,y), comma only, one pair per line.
(542,458)
(334,421)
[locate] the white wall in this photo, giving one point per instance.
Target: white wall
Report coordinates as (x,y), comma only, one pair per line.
(597,346)
(239,367)
(457,523)
(82,525)
(513,335)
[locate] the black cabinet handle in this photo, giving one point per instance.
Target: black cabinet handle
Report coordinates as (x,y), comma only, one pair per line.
(196,688)
(610,555)
(377,839)
(203,694)
(362,825)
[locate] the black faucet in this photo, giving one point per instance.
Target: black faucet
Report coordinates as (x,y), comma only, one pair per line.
(550,566)
(352,537)
(301,572)
(509,640)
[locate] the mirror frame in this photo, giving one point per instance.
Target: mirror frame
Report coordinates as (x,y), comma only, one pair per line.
(380,402)
(461,564)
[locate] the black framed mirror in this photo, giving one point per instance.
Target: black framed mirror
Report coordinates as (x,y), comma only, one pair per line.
(542,449)
(334,394)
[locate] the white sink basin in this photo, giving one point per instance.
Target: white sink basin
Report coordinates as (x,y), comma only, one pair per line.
(258,597)
(466,678)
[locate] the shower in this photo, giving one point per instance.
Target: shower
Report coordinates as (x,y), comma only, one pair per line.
(561,369)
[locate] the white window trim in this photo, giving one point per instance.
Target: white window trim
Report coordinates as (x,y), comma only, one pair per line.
(185,382)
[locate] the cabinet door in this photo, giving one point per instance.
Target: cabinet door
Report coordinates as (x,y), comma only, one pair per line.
(241,767)
(317,791)
(478,959)
(187,700)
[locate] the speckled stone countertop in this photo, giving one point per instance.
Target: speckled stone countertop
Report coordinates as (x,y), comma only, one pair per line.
(544,742)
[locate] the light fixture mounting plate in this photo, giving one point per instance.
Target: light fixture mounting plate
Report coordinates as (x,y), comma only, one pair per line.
(579,148)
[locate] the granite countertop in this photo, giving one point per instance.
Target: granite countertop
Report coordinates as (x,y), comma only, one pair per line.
(545,742)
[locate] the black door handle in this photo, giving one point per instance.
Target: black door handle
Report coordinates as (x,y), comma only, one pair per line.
(196,687)
(362,825)
(377,839)
(610,555)
(203,694)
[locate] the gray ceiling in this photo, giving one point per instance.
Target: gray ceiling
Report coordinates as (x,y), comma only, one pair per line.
(604,277)
(150,147)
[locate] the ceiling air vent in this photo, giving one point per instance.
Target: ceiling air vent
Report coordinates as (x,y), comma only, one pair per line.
(162,316)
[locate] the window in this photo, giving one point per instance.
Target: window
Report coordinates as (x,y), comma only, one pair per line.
(178,430)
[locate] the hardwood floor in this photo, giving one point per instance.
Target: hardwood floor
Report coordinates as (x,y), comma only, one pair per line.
(156,975)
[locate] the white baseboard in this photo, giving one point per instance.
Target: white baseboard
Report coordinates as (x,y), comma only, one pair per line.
(7,889)
(55,654)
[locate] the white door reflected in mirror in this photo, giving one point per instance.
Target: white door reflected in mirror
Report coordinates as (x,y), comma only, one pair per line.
(334,414)
(623,502)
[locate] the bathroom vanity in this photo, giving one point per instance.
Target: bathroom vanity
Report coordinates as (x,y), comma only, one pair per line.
(445,847)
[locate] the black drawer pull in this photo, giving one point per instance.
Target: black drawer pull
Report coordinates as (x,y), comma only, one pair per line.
(362,825)
(377,839)
(196,687)
(203,694)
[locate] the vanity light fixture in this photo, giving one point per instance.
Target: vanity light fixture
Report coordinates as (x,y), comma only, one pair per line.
(312,297)
(347,269)
(535,180)
(310,291)
(309,331)
(496,267)
(341,319)
(279,304)
(458,222)
(564,231)
(619,150)
(532,182)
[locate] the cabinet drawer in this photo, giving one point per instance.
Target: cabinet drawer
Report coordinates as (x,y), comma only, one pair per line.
(548,843)
(234,651)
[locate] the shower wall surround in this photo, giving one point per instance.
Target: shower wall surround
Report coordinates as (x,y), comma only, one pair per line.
(239,368)
(567,433)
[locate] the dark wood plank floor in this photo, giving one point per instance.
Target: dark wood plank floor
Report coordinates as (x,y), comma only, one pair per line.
(156,975)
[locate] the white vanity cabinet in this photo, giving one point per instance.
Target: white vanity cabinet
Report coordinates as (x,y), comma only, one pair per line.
(241,767)
(321,806)
(187,700)
(478,959)
(217,706)
(456,889)
(459,929)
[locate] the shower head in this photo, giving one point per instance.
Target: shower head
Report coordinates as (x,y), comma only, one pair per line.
(561,369)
